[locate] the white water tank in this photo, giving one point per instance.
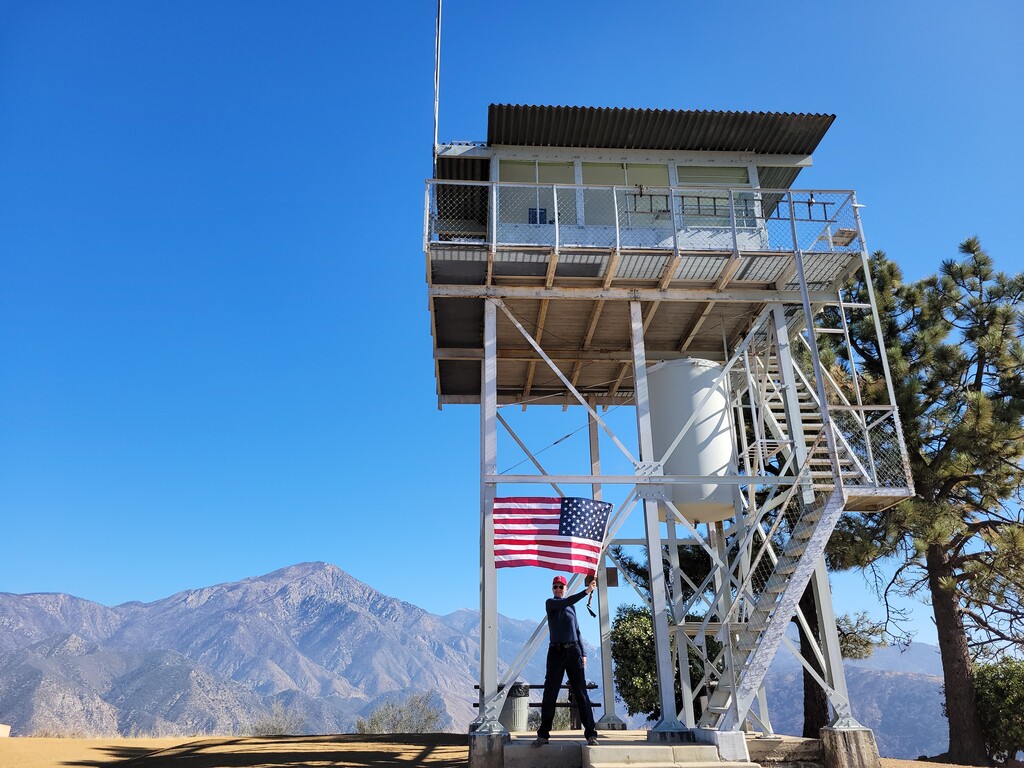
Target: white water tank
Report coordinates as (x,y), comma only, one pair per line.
(676,388)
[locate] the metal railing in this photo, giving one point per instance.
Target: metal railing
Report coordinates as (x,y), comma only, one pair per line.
(640,217)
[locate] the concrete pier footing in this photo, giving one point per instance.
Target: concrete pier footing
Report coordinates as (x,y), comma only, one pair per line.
(487,749)
(850,748)
(732,745)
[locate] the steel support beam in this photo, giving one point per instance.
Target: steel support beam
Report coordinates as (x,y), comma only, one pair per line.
(687,714)
(609,721)
(488,718)
(648,466)
(595,293)
(835,674)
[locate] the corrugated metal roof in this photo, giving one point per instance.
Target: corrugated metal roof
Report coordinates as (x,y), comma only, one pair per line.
(771,133)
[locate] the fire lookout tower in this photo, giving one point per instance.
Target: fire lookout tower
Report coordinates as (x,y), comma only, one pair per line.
(663,260)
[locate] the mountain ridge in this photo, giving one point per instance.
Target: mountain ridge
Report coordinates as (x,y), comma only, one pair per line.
(307,635)
(326,647)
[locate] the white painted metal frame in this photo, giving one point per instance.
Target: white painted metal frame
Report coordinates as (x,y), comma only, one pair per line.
(730,579)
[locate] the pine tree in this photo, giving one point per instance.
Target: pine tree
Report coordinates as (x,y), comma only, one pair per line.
(954,342)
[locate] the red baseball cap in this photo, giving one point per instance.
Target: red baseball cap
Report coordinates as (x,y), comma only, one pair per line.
(558,580)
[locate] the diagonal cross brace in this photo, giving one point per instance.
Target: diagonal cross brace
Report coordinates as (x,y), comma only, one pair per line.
(558,372)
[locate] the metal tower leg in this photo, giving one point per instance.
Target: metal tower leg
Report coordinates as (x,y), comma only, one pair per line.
(487,721)
(609,720)
(668,724)
(790,395)
(835,674)
(679,618)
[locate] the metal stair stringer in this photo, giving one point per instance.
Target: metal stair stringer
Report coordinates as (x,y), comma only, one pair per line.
(774,607)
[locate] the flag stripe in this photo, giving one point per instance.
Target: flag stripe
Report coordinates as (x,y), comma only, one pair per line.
(572,565)
(560,534)
(583,546)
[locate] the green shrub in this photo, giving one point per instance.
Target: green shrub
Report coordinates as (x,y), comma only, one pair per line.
(418,713)
(999,689)
(278,722)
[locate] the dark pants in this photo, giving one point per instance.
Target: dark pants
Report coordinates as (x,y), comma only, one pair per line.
(565,659)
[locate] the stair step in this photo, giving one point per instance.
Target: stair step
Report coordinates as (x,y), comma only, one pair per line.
(648,756)
(786,565)
(797,550)
(803,531)
(598,761)
(759,627)
(627,754)
(695,753)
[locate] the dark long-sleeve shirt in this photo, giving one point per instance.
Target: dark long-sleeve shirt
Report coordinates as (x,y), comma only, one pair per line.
(562,624)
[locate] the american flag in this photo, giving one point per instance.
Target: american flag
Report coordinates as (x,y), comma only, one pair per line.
(560,534)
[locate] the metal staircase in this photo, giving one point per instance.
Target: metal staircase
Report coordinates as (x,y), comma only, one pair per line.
(809,520)
(839,455)
(793,532)
(811,421)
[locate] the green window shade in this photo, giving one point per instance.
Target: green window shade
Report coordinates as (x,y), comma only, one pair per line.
(556,173)
(696,175)
(647,175)
(604,173)
(518,172)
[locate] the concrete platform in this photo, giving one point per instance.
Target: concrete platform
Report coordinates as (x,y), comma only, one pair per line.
(618,749)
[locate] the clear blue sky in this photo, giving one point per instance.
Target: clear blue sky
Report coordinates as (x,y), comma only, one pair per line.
(211,213)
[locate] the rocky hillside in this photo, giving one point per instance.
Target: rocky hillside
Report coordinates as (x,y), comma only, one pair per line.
(323,645)
(323,648)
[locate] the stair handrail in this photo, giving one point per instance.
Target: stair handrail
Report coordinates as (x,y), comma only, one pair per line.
(747,581)
(769,504)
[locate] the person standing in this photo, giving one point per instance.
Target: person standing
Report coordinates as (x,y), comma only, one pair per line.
(565,657)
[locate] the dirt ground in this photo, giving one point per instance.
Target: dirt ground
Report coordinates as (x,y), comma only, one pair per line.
(349,751)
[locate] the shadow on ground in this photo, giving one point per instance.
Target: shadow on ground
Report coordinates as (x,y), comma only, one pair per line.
(440,750)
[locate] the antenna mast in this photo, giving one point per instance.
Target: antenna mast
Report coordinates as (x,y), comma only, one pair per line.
(437,80)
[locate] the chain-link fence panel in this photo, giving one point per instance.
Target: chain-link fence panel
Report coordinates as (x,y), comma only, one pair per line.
(870,436)
(891,461)
(599,218)
(526,214)
(772,214)
(704,220)
(853,447)
(457,212)
(568,203)
(825,222)
(645,217)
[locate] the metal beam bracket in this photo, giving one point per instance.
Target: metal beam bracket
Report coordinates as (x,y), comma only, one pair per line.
(651,492)
(649,468)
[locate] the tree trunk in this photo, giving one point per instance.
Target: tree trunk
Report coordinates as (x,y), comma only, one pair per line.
(815,700)
(966,745)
